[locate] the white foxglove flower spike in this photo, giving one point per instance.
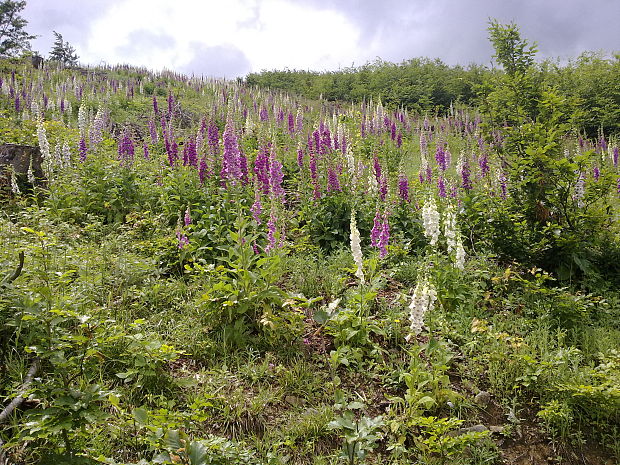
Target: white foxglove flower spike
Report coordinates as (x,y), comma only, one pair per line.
(356,249)
(430,219)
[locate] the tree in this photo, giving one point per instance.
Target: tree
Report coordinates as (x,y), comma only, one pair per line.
(13,37)
(63,52)
(515,54)
(512,96)
(532,118)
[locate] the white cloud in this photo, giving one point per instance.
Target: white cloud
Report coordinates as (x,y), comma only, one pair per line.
(271,33)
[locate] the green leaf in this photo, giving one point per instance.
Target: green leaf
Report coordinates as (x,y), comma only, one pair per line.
(141,416)
(321,316)
(114,400)
(197,453)
(427,401)
(356,405)
(164,457)
(172,440)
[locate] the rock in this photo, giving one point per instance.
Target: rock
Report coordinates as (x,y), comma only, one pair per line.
(482,399)
(496,429)
(294,401)
(310,412)
(17,158)
(471,429)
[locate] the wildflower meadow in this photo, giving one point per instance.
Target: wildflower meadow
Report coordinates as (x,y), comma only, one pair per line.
(201,271)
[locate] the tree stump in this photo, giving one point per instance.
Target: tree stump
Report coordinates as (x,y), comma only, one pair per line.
(36,61)
(14,157)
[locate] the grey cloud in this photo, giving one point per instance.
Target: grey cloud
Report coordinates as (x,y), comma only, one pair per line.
(217,61)
(143,39)
(455,30)
(452,30)
(70,18)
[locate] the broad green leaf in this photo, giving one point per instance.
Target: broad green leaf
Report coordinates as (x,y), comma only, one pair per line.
(141,416)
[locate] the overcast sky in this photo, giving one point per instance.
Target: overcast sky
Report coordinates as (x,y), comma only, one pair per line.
(230,38)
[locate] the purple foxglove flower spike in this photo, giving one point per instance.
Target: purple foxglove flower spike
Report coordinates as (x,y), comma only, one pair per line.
(383,188)
(483,162)
(202,170)
(300,158)
(384,237)
(183,240)
(271,231)
(403,188)
(466,176)
(441,186)
(375,232)
(276,177)
(83,150)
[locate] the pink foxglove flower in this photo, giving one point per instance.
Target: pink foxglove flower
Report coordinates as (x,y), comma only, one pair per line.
(183,240)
